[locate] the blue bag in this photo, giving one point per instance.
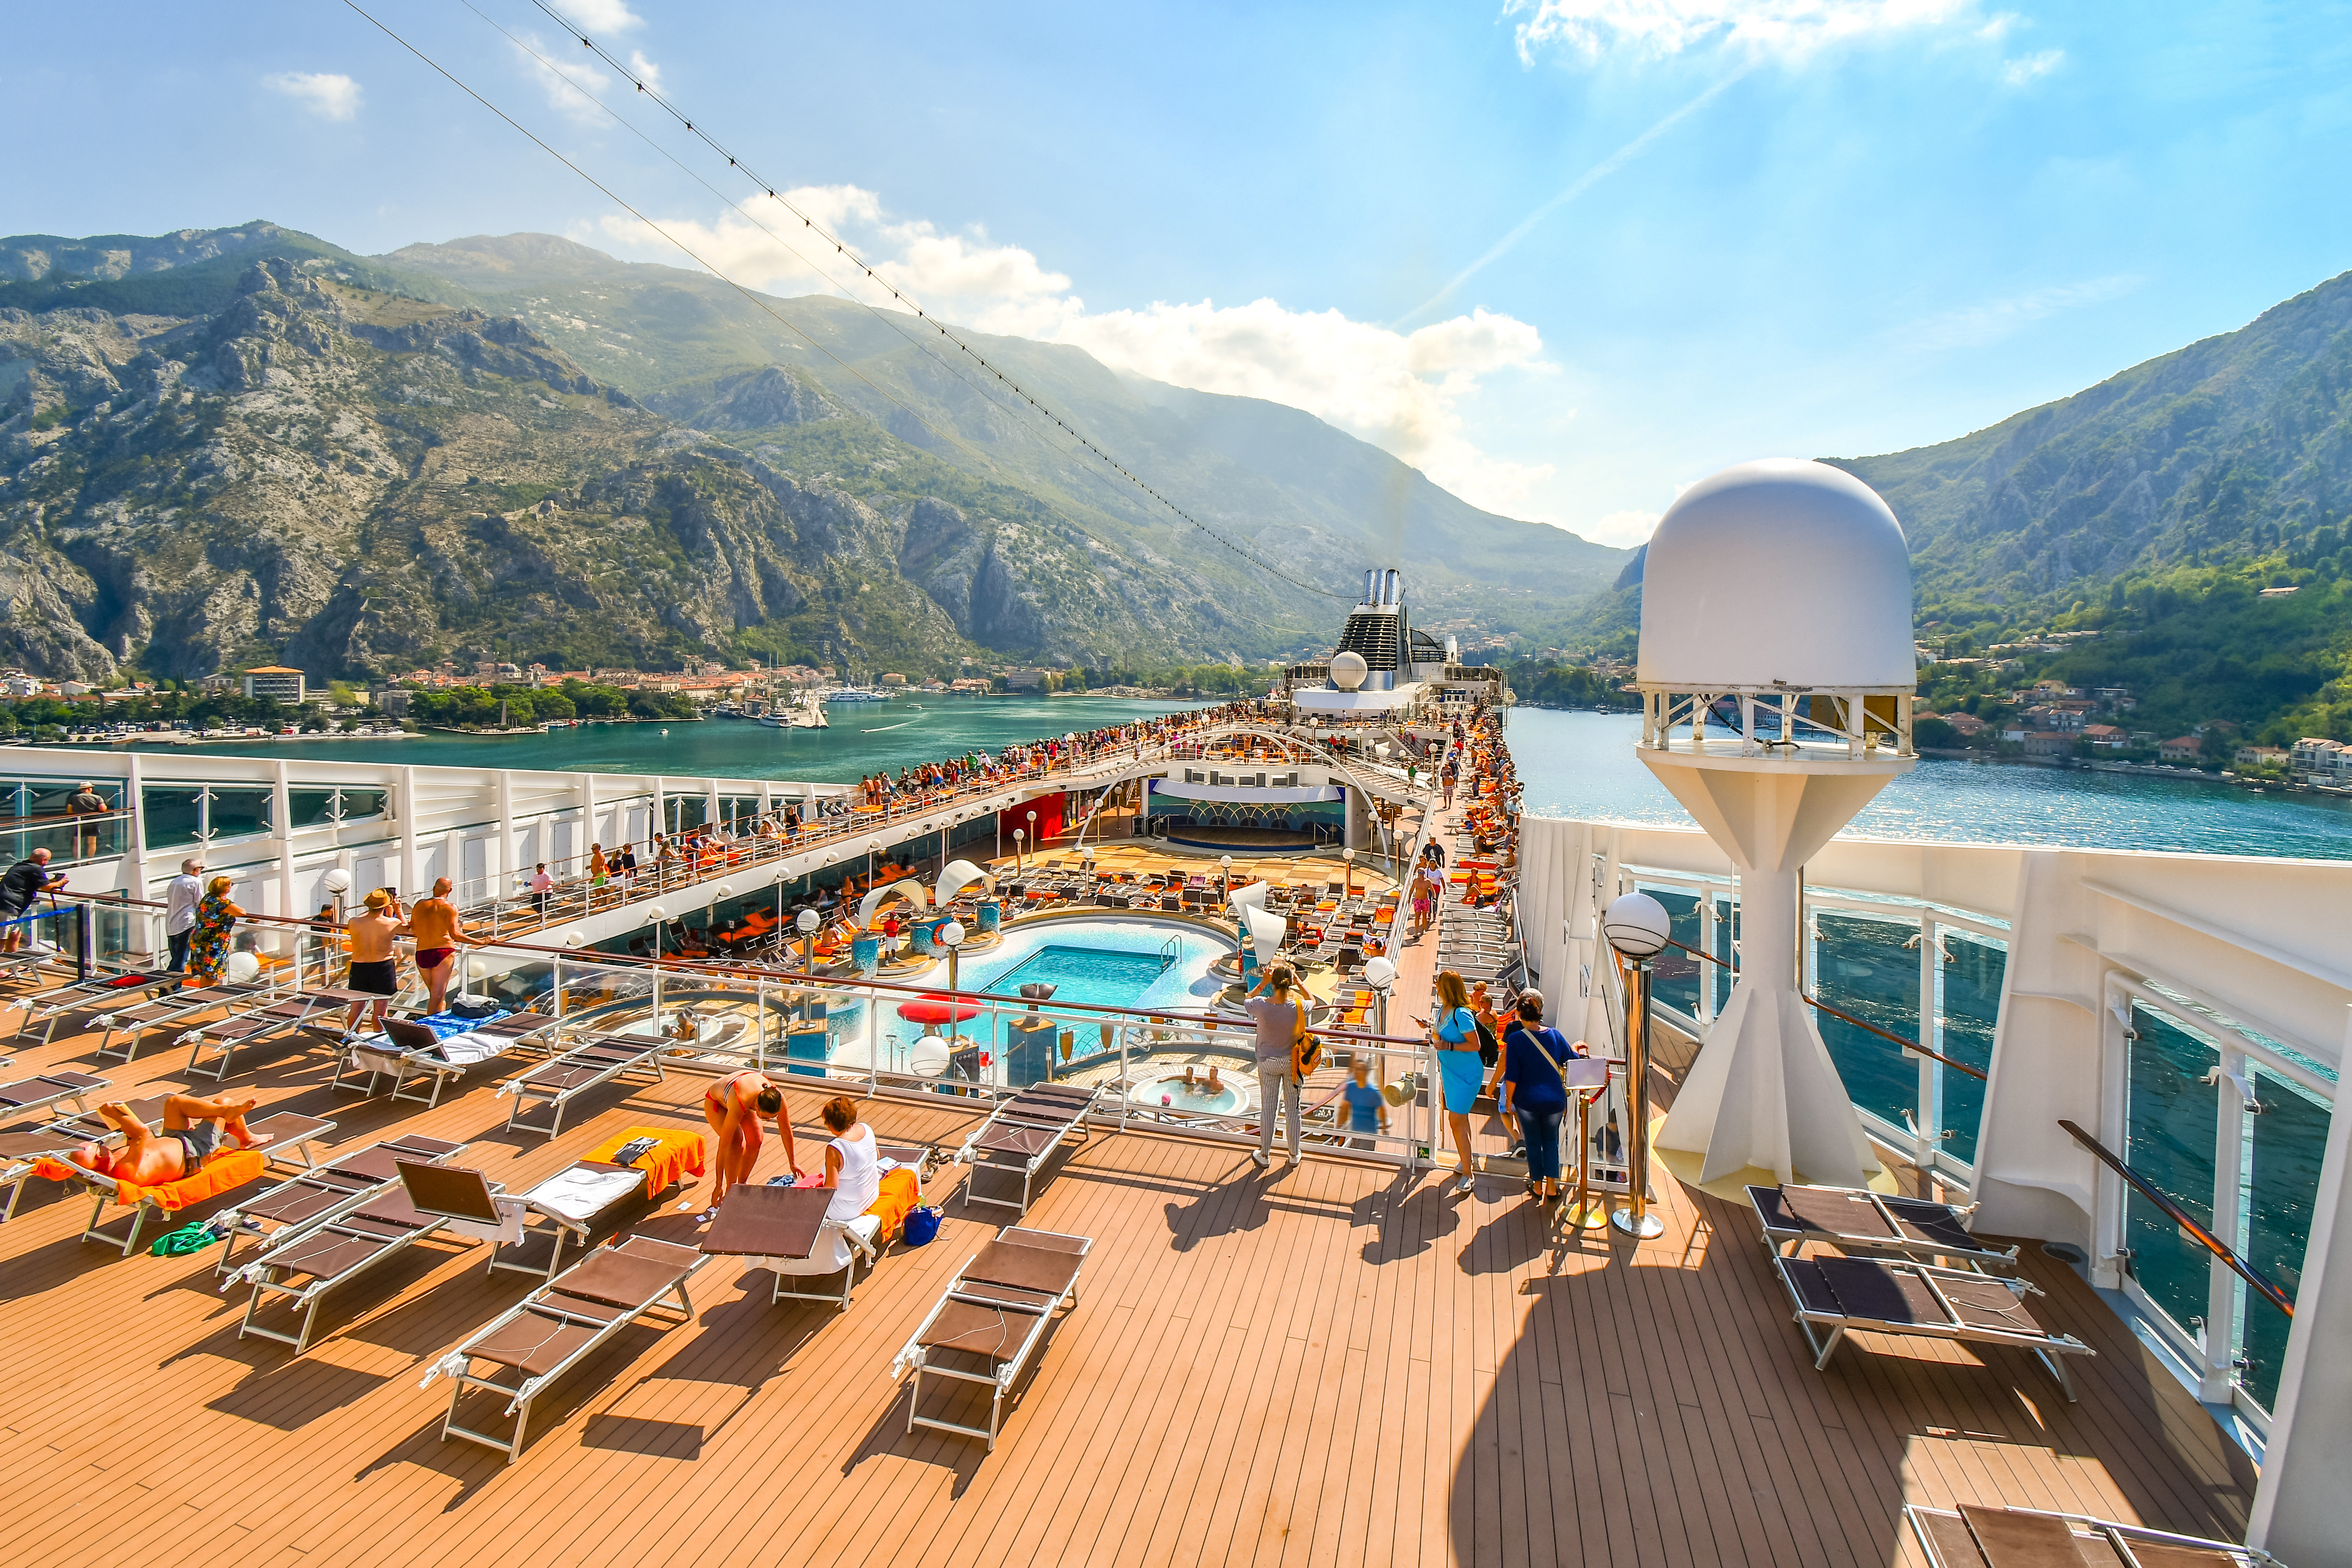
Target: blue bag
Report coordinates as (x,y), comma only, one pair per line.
(922,1225)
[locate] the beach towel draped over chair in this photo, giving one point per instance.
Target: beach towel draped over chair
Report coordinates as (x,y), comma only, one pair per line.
(529,1347)
(225,1171)
(593,1191)
(988,1324)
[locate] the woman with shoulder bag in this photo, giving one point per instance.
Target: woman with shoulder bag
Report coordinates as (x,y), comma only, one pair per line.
(1455,1035)
(1534,1088)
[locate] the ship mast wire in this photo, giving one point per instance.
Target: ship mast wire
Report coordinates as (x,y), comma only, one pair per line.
(841,249)
(761,305)
(884,317)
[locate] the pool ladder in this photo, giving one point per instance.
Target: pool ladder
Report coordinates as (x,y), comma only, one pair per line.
(1171,951)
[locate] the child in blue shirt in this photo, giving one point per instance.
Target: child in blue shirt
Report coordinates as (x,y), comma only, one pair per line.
(1368,1108)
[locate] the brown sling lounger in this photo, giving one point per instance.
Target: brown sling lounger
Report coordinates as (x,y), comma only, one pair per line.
(1020,1135)
(523,1350)
(1854,1219)
(1977,1537)
(1879,1296)
(991,1319)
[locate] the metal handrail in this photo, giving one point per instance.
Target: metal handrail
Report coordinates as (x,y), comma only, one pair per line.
(1908,1045)
(2213,1244)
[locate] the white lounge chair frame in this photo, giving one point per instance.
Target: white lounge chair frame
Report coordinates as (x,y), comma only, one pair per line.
(1030,1116)
(135,1021)
(353,1222)
(591,1064)
(550,1301)
(2121,1537)
(65,1088)
(349,1191)
(1004,1372)
(45,1007)
(2048,1348)
(286,1130)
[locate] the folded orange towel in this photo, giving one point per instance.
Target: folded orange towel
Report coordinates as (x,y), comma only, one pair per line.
(677,1156)
(900,1194)
(225,1172)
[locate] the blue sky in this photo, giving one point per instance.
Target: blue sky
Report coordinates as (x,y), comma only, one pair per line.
(1693,231)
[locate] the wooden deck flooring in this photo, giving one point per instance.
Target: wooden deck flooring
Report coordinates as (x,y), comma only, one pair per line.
(1329,1366)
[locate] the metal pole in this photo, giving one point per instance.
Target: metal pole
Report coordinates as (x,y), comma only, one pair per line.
(1636,1219)
(1584,1214)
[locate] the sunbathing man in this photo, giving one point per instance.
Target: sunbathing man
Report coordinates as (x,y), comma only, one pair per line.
(192,1132)
(733,1107)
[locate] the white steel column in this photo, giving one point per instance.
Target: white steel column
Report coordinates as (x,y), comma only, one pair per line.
(281,821)
(507,866)
(407,797)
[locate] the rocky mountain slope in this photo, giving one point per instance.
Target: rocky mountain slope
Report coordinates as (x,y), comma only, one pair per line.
(357,481)
(2228,449)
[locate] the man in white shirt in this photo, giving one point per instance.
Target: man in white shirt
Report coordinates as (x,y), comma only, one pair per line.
(180,911)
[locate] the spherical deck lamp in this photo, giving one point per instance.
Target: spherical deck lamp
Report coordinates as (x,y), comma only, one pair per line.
(1018,834)
(1777,669)
(1380,973)
(1637,926)
(1226,861)
(1349,856)
(951,936)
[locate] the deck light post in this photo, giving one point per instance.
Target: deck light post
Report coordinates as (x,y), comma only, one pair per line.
(1033,829)
(951,936)
(1349,856)
(1637,926)
(1380,973)
(873,848)
(807,920)
(1227,862)
(1018,834)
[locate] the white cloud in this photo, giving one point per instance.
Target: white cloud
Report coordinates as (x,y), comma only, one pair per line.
(645,70)
(1788,28)
(1623,529)
(1404,392)
(2002,24)
(1974,326)
(328,93)
(593,16)
(2030,68)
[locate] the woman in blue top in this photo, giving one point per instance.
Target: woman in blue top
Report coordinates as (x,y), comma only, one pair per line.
(1534,1088)
(1455,1034)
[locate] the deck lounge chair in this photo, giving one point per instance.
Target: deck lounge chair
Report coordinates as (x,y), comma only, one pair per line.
(239,1167)
(991,1319)
(1842,1294)
(279,1021)
(595,1062)
(1020,1135)
(1977,1537)
(31,1096)
(20,1151)
(93,996)
(322,1193)
(299,1267)
(524,1350)
(121,1028)
(574,1202)
(786,1230)
(1855,1220)
(408,1050)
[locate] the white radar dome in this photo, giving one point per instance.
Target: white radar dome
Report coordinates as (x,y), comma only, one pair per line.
(1348,670)
(1780,571)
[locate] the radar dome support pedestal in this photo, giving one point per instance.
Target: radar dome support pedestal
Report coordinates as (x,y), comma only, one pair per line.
(1777,670)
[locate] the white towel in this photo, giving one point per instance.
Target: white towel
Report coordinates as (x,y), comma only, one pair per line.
(583,1195)
(506,1231)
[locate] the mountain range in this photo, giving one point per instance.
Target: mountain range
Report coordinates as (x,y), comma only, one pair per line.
(224,444)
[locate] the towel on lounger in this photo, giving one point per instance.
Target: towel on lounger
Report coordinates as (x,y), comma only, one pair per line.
(223,1172)
(900,1194)
(676,1154)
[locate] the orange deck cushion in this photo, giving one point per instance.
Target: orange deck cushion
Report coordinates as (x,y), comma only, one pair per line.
(677,1156)
(900,1194)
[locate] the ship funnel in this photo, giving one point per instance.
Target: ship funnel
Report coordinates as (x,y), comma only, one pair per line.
(1371,585)
(1391,585)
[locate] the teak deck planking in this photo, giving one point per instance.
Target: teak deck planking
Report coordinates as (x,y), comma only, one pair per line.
(1327,1365)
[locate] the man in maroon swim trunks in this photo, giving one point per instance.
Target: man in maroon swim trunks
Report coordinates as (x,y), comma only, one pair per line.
(439,933)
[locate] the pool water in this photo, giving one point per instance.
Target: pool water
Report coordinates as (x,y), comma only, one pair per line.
(1086,975)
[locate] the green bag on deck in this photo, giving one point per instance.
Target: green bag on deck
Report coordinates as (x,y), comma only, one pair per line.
(181,1242)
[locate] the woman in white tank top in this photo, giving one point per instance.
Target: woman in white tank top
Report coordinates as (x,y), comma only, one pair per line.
(851,1163)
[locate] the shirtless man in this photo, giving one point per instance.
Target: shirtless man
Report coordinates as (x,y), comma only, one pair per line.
(192,1132)
(439,933)
(733,1107)
(372,968)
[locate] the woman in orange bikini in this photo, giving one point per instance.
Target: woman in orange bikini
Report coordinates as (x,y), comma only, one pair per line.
(733,1107)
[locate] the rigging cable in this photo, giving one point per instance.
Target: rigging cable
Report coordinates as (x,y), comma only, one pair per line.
(618,119)
(841,249)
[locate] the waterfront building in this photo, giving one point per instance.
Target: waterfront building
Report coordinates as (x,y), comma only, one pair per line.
(282,681)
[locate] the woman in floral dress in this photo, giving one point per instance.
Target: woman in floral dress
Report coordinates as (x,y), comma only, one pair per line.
(208,940)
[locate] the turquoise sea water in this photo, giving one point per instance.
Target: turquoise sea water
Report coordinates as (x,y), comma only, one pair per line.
(1583,764)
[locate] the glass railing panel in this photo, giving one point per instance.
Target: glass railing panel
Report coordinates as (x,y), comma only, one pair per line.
(2289,1140)
(1870,968)
(238,813)
(1673,973)
(174,814)
(2172,1121)
(1970,984)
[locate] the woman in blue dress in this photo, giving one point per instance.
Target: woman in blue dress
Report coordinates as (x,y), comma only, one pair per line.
(1462,1074)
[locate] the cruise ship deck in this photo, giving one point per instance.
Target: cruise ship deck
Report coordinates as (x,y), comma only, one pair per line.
(1340,1363)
